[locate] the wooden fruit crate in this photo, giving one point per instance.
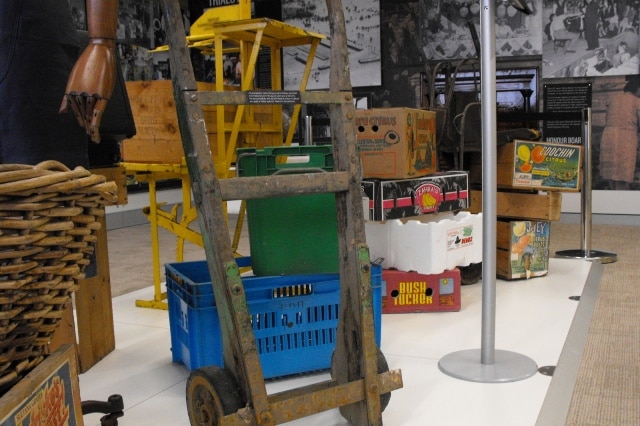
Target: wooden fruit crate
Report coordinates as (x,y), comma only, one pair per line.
(533,165)
(158,140)
(532,205)
(522,248)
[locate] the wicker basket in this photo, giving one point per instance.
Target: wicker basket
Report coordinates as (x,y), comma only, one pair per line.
(48,225)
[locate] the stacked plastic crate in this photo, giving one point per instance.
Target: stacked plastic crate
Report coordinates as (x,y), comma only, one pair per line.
(293,293)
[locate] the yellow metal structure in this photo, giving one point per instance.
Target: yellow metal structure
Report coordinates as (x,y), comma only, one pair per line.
(214,36)
(177,220)
(248,37)
(151,174)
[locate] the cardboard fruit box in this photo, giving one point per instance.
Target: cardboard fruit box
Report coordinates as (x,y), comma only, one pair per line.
(436,193)
(396,143)
(539,165)
(523,249)
(408,292)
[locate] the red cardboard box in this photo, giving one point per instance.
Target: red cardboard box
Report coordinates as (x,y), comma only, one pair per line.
(408,292)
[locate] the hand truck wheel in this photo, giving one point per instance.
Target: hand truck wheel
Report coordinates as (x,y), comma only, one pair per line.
(383,367)
(212,393)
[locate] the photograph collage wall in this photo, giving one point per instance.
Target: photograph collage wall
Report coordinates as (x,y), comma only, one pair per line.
(592,41)
(392,43)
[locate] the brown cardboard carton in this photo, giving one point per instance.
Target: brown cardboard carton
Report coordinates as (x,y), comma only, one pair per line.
(396,143)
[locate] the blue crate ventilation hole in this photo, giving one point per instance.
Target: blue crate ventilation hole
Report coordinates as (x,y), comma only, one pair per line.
(294,318)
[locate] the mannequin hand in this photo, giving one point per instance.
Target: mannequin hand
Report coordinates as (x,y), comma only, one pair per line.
(90,85)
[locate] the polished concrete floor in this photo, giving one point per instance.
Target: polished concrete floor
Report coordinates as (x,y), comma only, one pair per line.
(533,318)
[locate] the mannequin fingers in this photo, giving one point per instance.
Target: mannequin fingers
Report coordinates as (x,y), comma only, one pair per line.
(96,118)
(64,106)
(90,102)
(77,112)
(90,105)
(86,112)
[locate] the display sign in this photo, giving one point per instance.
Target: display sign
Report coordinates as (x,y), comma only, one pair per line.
(273,97)
(565,98)
(220,3)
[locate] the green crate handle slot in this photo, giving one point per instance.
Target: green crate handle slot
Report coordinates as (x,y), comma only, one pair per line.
(267,160)
(299,170)
(299,150)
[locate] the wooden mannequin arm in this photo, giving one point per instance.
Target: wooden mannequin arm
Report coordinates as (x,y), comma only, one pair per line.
(92,78)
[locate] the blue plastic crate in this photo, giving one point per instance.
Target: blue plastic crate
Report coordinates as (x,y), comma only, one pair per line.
(294,318)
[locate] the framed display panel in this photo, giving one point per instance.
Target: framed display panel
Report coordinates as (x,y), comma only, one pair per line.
(49,394)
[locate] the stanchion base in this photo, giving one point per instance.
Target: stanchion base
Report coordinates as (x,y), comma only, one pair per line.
(507,367)
(601,256)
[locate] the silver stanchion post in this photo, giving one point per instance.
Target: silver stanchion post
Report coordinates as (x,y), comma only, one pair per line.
(308,130)
(488,365)
(585,251)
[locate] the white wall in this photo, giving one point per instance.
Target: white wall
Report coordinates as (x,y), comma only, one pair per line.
(604,202)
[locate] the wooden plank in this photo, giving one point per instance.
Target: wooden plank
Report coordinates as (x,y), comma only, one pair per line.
(151,151)
(94,310)
(503,235)
(65,334)
(116,174)
(503,263)
(247,188)
(522,205)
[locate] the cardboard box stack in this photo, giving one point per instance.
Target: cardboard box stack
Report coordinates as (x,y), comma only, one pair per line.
(531,177)
(411,211)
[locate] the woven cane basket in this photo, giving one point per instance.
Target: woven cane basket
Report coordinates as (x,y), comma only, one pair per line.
(48,224)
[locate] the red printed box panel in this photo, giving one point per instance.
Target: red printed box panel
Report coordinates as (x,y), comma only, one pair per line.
(408,292)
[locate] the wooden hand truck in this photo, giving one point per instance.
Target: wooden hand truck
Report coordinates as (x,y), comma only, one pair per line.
(236,394)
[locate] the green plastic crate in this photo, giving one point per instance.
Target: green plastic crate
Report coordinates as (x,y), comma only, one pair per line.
(293,234)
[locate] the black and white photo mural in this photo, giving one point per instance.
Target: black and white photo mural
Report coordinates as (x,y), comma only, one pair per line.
(590,38)
(446,33)
(362,19)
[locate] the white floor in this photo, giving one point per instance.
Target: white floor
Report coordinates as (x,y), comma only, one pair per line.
(532,319)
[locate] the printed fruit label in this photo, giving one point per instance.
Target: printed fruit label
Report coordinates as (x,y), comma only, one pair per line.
(546,165)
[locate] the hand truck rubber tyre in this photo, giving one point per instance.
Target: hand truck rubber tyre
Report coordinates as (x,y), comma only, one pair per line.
(212,393)
(383,367)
